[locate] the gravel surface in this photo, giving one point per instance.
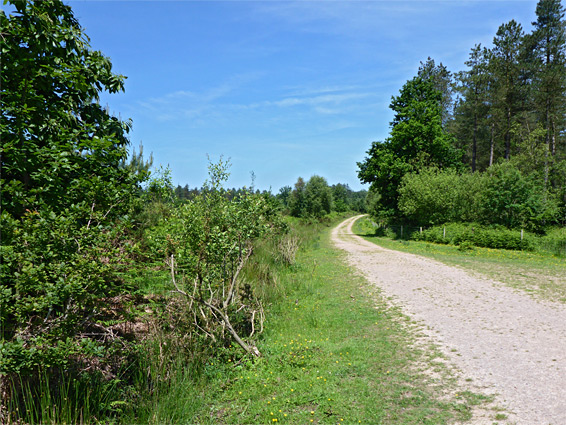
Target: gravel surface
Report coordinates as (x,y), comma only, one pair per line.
(501,338)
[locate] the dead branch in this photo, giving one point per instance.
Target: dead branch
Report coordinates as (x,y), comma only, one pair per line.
(235,277)
(250,349)
(218,314)
(91,213)
(179,290)
(253,327)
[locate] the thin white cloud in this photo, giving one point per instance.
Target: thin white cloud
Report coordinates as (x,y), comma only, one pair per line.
(311,91)
(188,104)
(210,103)
(352,17)
(335,99)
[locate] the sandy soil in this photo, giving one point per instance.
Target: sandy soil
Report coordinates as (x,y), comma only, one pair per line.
(501,338)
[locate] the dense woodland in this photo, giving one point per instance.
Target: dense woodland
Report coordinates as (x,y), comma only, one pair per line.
(486,144)
(109,274)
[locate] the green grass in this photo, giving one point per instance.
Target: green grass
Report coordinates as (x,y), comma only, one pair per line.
(333,352)
(53,398)
(540,274)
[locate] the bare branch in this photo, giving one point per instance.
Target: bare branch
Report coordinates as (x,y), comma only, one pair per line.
(253,327)
(173,278)
(91,213)
(250,349)
(235,277)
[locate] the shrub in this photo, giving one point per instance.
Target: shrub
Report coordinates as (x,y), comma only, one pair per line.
(554,242)
(66,195)
(205,244)
(500,196)
(516,201)
(477,235)
(432,196)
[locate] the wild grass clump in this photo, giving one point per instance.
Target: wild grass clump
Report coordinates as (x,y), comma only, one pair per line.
(168,376)
(56,396)
(287,249)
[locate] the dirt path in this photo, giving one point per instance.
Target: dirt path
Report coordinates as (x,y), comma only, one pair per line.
(502,339)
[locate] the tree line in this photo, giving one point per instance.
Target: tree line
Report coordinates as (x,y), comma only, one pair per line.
(502,118)
(314,198)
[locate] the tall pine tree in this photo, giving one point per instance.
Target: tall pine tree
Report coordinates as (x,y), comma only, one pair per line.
(549,62)
(472,109)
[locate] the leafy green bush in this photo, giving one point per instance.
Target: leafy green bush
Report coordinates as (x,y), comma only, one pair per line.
(554,242)
(477,235)
(465,246)
(205,243)
(434,196)
(514,200)
(66,200)
(500,196)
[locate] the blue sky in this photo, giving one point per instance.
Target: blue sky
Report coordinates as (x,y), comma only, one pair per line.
(284,89)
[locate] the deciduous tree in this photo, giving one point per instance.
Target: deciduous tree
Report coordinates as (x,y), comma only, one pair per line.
(416,140)
(65,189)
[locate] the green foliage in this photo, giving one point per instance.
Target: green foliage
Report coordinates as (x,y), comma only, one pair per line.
(372,202)
(297,201)
(58,146)
(554,241)
(514,200)
(65,194)
(345,199)
(137,164)
(157,200)
(311,199)
(501,196)
(284,195)
(547,61)
(433,196)
(477,235)
(206,242)
(316,200)
(465,246)
(441,79)
(68,194)
(160,187)
(471,122)
(513,98)
(318,197)
(340,194)
(417,140)
(56,397)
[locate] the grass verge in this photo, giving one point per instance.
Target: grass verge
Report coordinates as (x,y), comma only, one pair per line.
(332,353)
(539,274)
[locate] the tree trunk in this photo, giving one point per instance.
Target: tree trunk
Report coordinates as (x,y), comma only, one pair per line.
(475,144)
(553,150)
(508,135)
(492,145)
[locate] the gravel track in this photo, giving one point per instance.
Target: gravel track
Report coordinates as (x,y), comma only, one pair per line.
(502,339)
